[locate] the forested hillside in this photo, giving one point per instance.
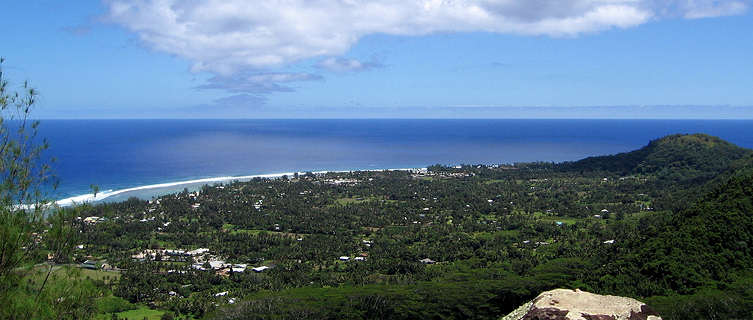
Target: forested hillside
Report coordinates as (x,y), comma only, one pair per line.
(703,252)
(683,166)
(677,158)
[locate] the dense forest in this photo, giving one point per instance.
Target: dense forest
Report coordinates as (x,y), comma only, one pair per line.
(670,224)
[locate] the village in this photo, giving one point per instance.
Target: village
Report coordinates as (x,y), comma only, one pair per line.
(227,241)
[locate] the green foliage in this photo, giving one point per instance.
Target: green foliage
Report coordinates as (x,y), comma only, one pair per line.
(20,177)
(471,299)
(113,304)
(138,314)
(64,296)
(677,157)
(706,244)
(29,227)
(683,166)
(705,304)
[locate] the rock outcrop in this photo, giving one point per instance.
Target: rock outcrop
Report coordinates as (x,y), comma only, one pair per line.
(565,304)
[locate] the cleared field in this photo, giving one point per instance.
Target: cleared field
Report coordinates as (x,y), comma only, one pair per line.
(136,314)
(74,271)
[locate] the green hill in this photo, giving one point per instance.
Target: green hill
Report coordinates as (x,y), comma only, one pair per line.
(679,157)
(683,166)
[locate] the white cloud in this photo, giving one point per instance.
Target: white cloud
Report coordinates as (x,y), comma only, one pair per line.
(711,9)
(224,36)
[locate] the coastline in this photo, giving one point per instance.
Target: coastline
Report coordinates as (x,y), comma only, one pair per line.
(176,186)
(146,157)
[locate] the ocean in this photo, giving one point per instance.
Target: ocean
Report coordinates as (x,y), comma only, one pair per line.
(145,158)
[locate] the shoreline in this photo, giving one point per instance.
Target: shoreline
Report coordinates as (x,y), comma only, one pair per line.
(102,195)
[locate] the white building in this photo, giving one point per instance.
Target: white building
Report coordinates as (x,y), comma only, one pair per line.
(238,268)
(260,269)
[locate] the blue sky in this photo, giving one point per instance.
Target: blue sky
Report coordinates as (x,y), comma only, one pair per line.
(375,59)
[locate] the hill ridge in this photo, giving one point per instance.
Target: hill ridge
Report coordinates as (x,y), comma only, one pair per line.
(696,155)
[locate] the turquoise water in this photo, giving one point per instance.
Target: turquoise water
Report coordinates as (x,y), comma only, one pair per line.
(121,154)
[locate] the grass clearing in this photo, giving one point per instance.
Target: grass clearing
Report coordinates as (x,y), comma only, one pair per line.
(253,232)
(136,314)
(74,271)
(565,220)
(105,276)
(352,200)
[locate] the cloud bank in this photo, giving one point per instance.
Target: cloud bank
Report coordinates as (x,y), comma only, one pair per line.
(223,36)
(251,89)
(241,41)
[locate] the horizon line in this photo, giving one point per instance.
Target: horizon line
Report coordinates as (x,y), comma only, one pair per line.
(395,118)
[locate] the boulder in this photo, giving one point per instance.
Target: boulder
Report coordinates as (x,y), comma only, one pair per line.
(565,304)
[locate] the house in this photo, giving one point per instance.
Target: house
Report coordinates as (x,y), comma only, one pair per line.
(427,261)
(217,264)
(359,259)
(171,252)
(221,294)
(609,242)
(260,269)
(94,220)
(139,256)
(238,268)
(198,252)
(344,258)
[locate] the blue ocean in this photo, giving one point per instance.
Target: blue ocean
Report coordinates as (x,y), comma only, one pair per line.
(144,158)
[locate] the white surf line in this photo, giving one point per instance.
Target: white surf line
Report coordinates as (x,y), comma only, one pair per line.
(90,197)
(106,194)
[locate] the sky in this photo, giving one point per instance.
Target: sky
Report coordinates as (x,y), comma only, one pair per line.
(383,58)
